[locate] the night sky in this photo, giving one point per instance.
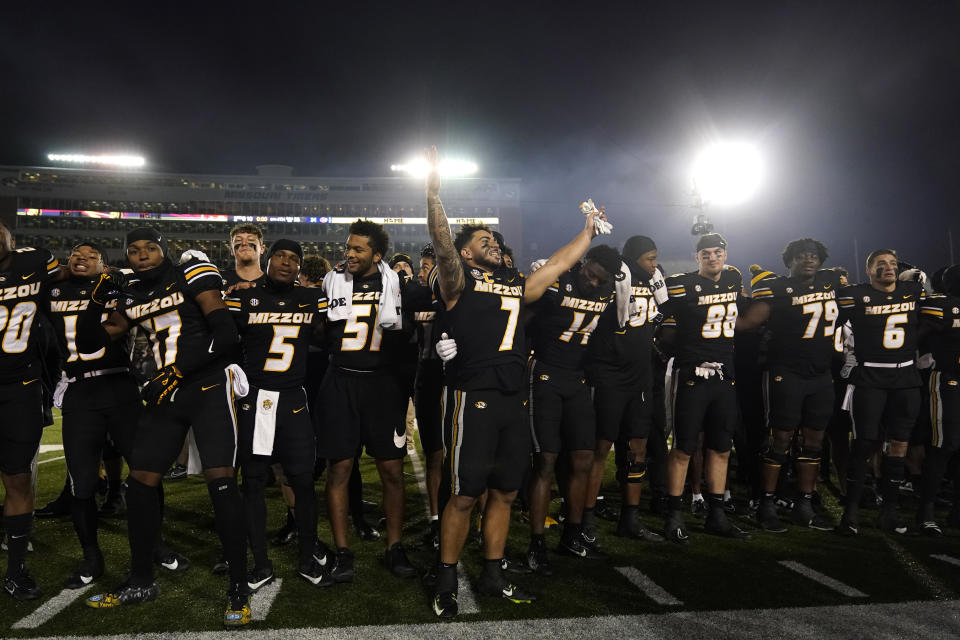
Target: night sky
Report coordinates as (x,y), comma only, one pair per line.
(855,108)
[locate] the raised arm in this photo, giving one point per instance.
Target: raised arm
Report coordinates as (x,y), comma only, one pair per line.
(559,262)
(449,265)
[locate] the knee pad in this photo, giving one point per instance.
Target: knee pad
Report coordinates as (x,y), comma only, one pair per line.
(810,455)
(636,471)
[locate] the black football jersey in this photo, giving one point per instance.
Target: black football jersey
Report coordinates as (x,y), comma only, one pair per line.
(485,323)
(21,296)
(565,319)
(620,357)
(884,324)
(943,312)
(704,313)
(276,326)
(166,308)
(803,334)
(360,343)
(426,335)
(66,300)
(231,277)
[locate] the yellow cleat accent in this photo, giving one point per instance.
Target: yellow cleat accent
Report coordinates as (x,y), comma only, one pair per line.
(103,601)
(237,617)
(549,522)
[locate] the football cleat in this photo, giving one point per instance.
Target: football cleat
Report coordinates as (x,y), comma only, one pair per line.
(21,586)
(674,528)
(395,559)
(321,552)
(287,534)
(699,508)
(633,529)
(719,525)
(537,558)
(316,575)
(125,594)
(342,570)
(221,566)
(431,538)
(176,472)
(365,530)
(804,515)
(606,512)
(89,570)
(445,605)
(888,523)
(768,519)
(511,566)
(237,613)
(500,588)
(171,560)
(260,577)
(730,506)
(577,548)
(929,528)
(847,528)
(57,508)
(549,523)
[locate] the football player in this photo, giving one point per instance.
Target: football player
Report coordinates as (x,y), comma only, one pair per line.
(194,342)
(800,313)
(486,443)
(362,397)
(277,320)
(940,315)
(619,371)
(883,396)
(23,272)
(702,315)
(246,247)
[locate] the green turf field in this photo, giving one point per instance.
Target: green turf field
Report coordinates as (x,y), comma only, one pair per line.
(707,574)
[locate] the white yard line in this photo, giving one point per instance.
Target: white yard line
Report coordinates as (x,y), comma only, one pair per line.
(825,580)
(51,460)
(466,602)
(50,608)
(948,559)
(46,448)
(263,599)
(650,588)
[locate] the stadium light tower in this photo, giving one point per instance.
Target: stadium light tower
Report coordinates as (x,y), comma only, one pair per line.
(724,174)
(105,160)
(449,168)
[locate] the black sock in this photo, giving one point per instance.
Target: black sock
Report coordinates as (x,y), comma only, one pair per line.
(228,513)
(674,503)
(255,512)
(893,470)
(306,519)
(18,535)
(143,529)
(715,500)
(589,519)
(446,577)
(570,531)
(84,514)
(934,466)
(493,568)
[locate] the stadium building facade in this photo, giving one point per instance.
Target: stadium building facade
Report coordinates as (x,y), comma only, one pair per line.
(56,207)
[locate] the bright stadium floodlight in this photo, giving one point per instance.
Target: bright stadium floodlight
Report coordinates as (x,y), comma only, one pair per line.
(114,161)
(448,168)
(727,174)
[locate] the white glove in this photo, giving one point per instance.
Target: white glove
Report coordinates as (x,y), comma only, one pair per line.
(926,361)
(536,264)
(659,287)
(446,347)
(59,392)
(707,370)
(602,226)
(193,253)
(914,275)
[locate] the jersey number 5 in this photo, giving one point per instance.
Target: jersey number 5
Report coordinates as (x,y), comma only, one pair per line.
(360,330)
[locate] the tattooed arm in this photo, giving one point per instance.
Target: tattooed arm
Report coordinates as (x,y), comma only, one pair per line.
(449,265)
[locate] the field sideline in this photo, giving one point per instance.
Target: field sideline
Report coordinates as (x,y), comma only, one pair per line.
(791,585)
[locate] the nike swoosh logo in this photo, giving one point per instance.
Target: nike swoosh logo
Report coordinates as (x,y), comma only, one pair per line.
(30,381)
(172,566)
(210,387)
(210,348)
(299,410)
(311,579)
(170,285)
(29,275)
(303,305)
(582,553)
(508,592)
(86,579)
(399,441)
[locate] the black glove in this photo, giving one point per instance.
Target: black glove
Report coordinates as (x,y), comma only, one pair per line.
(162,385)
(110,283)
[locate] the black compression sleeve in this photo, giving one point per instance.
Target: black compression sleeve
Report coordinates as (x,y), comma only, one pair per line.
(91,336)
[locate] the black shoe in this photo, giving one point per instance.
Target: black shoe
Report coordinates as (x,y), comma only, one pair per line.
(698,508)
(500,588)
(674,528)
(537,558)
(55,508)
(238,612)
(803,515)
(322,553)
(429,577)
(767,517)
(431,539)
(113,505)
(342,570)
(847,528)
(176,472)
(577,548)
(719,525)
(171,560)
(929,528)
(953,519)
(22,586)
(124,594)
(90,569)
(287,534)
(395,559)
(365,530)
(730,506)
(316,575)
(633,529)
(512,566)
(888,523)
(260,577)
(220,567)
(445,605)
(601,510)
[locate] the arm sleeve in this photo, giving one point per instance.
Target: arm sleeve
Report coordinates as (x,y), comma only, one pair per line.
(91,335)
(225,340)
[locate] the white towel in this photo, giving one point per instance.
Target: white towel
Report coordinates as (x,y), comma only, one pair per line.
(239,380)
(338,285)
(60,391)
(265,425)
(623,294)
